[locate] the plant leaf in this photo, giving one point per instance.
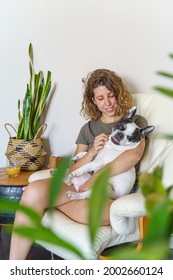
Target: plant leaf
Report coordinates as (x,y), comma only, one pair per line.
(34,102)
(38,232)
(171,55)
(27,105)
(165,74)
(57,180)
(97,202)
(149,183)
(168,92)
(9,205)
(154,251)
(158,172)
(159,222)
(47,235)
(168,136)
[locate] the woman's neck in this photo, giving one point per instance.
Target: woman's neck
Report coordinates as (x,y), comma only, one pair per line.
(106,119)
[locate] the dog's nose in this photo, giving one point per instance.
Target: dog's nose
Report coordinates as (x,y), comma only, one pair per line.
(120,135)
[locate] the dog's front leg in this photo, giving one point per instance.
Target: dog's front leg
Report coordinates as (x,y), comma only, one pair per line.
(78,195)
(81,170)
(88,167)
(68,180)
(76,174)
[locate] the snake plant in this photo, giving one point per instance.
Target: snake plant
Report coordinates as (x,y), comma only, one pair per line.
(37,92)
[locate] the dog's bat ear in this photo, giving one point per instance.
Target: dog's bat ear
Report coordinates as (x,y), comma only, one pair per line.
(130,113)
(146,131)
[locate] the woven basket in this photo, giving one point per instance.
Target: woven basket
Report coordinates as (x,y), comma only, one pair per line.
(30,152)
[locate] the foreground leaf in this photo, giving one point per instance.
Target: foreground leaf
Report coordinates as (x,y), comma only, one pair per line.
(150,182)
(160,222)
(165,74)
(47,235)
(9,205)
(168,92)
(154,251)
(57,180)
(97,202)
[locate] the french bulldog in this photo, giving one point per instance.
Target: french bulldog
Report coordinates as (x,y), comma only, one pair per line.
(125,135)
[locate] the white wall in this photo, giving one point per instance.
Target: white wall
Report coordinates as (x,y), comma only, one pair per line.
(71,38)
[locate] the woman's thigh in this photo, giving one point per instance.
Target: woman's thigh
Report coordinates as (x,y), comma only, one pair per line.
(77,210)
(37,194)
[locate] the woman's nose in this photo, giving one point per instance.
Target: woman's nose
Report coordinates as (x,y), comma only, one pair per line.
(107,101)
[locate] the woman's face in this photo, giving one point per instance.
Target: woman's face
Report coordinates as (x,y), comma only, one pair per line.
(105,101)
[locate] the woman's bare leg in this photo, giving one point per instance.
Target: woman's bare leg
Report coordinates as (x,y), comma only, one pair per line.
(77,210)
(35,196)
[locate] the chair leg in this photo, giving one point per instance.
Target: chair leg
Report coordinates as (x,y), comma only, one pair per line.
(143,223)
(52,256)
(102,258)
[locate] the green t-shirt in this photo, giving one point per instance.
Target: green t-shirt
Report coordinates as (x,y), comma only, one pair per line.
(92,129)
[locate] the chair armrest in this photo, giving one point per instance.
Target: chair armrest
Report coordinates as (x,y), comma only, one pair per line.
(39,175)
(125,210)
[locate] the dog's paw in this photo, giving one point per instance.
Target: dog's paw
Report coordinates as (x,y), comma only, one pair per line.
(68,180)
(74,174)
(77,173)
(71,195)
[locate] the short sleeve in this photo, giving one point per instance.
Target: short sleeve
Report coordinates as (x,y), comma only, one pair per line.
(82,137)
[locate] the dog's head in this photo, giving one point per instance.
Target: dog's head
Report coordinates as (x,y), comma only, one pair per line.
(126,133)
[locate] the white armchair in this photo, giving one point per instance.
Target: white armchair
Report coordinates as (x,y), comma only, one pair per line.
(125,211)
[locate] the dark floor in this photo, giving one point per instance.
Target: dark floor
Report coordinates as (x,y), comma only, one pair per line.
(36,253)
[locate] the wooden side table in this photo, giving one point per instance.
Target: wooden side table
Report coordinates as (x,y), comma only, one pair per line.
(11,188)
(22,179)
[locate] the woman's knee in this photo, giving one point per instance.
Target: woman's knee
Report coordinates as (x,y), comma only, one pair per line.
(35,193)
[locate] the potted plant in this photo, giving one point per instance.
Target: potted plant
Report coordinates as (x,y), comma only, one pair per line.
(27,145)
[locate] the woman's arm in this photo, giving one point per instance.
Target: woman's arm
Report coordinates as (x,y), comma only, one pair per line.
(127,160)
(85,159)
(99,143)
(121,164)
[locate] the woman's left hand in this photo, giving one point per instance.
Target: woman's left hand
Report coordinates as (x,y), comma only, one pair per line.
(85,187)
(89,183)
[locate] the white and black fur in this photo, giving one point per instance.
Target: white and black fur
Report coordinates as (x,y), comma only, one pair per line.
(125,135)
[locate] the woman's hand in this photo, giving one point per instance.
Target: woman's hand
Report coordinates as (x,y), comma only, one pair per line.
(89,183)
(86,186)
(99,143)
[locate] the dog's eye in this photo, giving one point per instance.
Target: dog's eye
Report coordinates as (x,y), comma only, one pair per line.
(130,138)
(135,137)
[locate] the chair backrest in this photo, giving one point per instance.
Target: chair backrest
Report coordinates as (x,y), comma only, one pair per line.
(158,110)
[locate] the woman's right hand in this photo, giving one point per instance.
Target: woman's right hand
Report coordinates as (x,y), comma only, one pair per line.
(99,143)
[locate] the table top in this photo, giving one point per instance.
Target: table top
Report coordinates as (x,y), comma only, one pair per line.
(22,179)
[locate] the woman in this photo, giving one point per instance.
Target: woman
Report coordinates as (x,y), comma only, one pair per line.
(106,99)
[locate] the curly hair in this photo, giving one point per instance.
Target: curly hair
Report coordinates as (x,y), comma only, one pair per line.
(114,83)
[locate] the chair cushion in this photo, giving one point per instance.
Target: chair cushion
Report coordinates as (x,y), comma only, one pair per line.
(41,174)
(157,109)
(75,233)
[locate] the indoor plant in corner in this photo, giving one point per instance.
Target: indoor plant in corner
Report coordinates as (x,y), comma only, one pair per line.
(27,145)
